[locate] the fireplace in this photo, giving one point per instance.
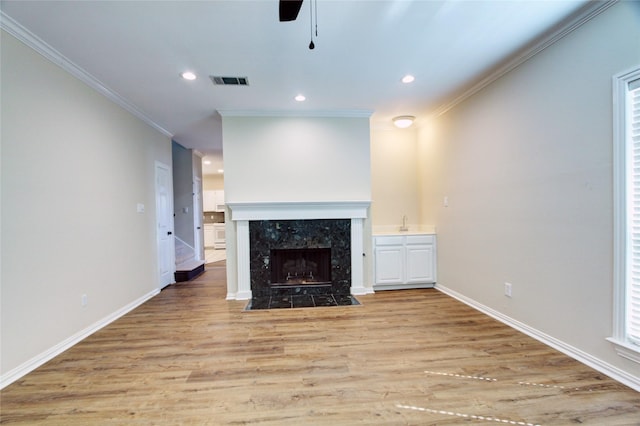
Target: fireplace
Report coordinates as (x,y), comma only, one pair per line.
(259,227)
(300,257)
(293,267)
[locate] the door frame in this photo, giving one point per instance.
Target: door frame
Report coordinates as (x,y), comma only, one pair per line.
(198,230)
(165,281)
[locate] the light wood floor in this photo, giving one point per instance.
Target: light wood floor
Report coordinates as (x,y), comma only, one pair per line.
(412,357)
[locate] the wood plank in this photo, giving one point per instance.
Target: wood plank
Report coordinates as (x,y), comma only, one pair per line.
(188,356)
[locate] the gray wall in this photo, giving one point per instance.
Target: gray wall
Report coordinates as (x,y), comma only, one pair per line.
(183,192)
(74,168)
(527,166)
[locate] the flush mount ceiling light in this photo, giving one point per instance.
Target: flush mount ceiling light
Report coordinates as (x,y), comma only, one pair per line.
(188,75)
(300,98)
(408,78)
(403,121)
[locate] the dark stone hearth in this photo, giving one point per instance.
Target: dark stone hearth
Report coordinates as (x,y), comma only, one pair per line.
(266,235)
(300,301)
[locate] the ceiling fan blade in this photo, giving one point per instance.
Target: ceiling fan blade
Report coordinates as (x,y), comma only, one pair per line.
(289,9)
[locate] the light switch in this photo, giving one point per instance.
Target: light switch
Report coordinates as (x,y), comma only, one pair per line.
(140,208)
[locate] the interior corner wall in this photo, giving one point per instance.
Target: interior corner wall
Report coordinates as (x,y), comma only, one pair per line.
(183,193)
(394,178)
(526,164)
(74,168)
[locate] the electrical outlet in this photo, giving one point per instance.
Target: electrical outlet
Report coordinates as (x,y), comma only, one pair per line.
(84,300)
(507,289)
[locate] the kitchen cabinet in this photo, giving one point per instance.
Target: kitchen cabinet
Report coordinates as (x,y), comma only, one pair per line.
(213,201)
(218,197)
(404,261)
(218,236)
(209,235)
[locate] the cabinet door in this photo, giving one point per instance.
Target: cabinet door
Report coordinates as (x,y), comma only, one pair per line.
(389,264)
(209,202)
(218,236)
(219,201)
(209,236)
(420,264)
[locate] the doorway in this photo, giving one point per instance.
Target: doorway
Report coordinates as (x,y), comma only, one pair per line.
(164,228)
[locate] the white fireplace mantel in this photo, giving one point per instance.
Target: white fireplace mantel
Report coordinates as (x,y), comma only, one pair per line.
(299,210)
(244,212)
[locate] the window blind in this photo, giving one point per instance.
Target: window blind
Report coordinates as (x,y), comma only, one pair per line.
(633,213)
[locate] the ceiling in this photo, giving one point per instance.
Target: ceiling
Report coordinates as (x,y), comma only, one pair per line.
(138,49)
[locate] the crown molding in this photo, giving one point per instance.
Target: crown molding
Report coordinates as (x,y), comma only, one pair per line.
(584,15)
(356,113)
(12,27)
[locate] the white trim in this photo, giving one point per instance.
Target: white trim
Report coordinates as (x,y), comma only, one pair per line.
(36,43)
(298,210)
(242,213)
(625,350)
(589,12)
(243,260)
(619,83)
(183,242)
(355,113)
(35,362)
(383,287)
(575,353)
(357,258)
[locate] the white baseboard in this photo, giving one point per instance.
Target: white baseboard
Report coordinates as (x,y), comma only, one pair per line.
(35,362)
(383,287)
(361,291)
(575,353)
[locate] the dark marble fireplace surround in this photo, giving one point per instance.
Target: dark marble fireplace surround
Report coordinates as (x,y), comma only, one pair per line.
(265,235)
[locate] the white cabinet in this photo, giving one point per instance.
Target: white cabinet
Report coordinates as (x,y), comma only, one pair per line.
(218,197)
(209,235)
(218,236)
(404,261)
(213,201)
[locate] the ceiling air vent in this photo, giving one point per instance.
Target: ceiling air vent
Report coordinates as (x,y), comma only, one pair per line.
(230,81)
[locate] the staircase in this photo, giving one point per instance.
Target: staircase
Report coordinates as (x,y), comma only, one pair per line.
(187,267)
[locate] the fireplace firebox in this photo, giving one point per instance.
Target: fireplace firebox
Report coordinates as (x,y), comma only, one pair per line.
(308,266)
(281,248)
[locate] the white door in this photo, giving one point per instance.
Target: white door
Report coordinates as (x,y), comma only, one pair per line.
(164,219)
(197,219)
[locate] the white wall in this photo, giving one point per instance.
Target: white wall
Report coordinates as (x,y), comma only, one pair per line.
(296,159)
(527,166)
(74,168)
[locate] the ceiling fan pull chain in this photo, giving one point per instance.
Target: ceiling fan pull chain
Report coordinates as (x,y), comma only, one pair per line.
(311,44)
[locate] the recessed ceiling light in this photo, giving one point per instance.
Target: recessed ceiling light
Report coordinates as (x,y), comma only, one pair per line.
(403,121)
(408,78)
(220,170)
(300,98)
(207,162)
(188,75)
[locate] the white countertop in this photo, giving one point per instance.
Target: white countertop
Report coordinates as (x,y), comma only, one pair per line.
(395,230)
